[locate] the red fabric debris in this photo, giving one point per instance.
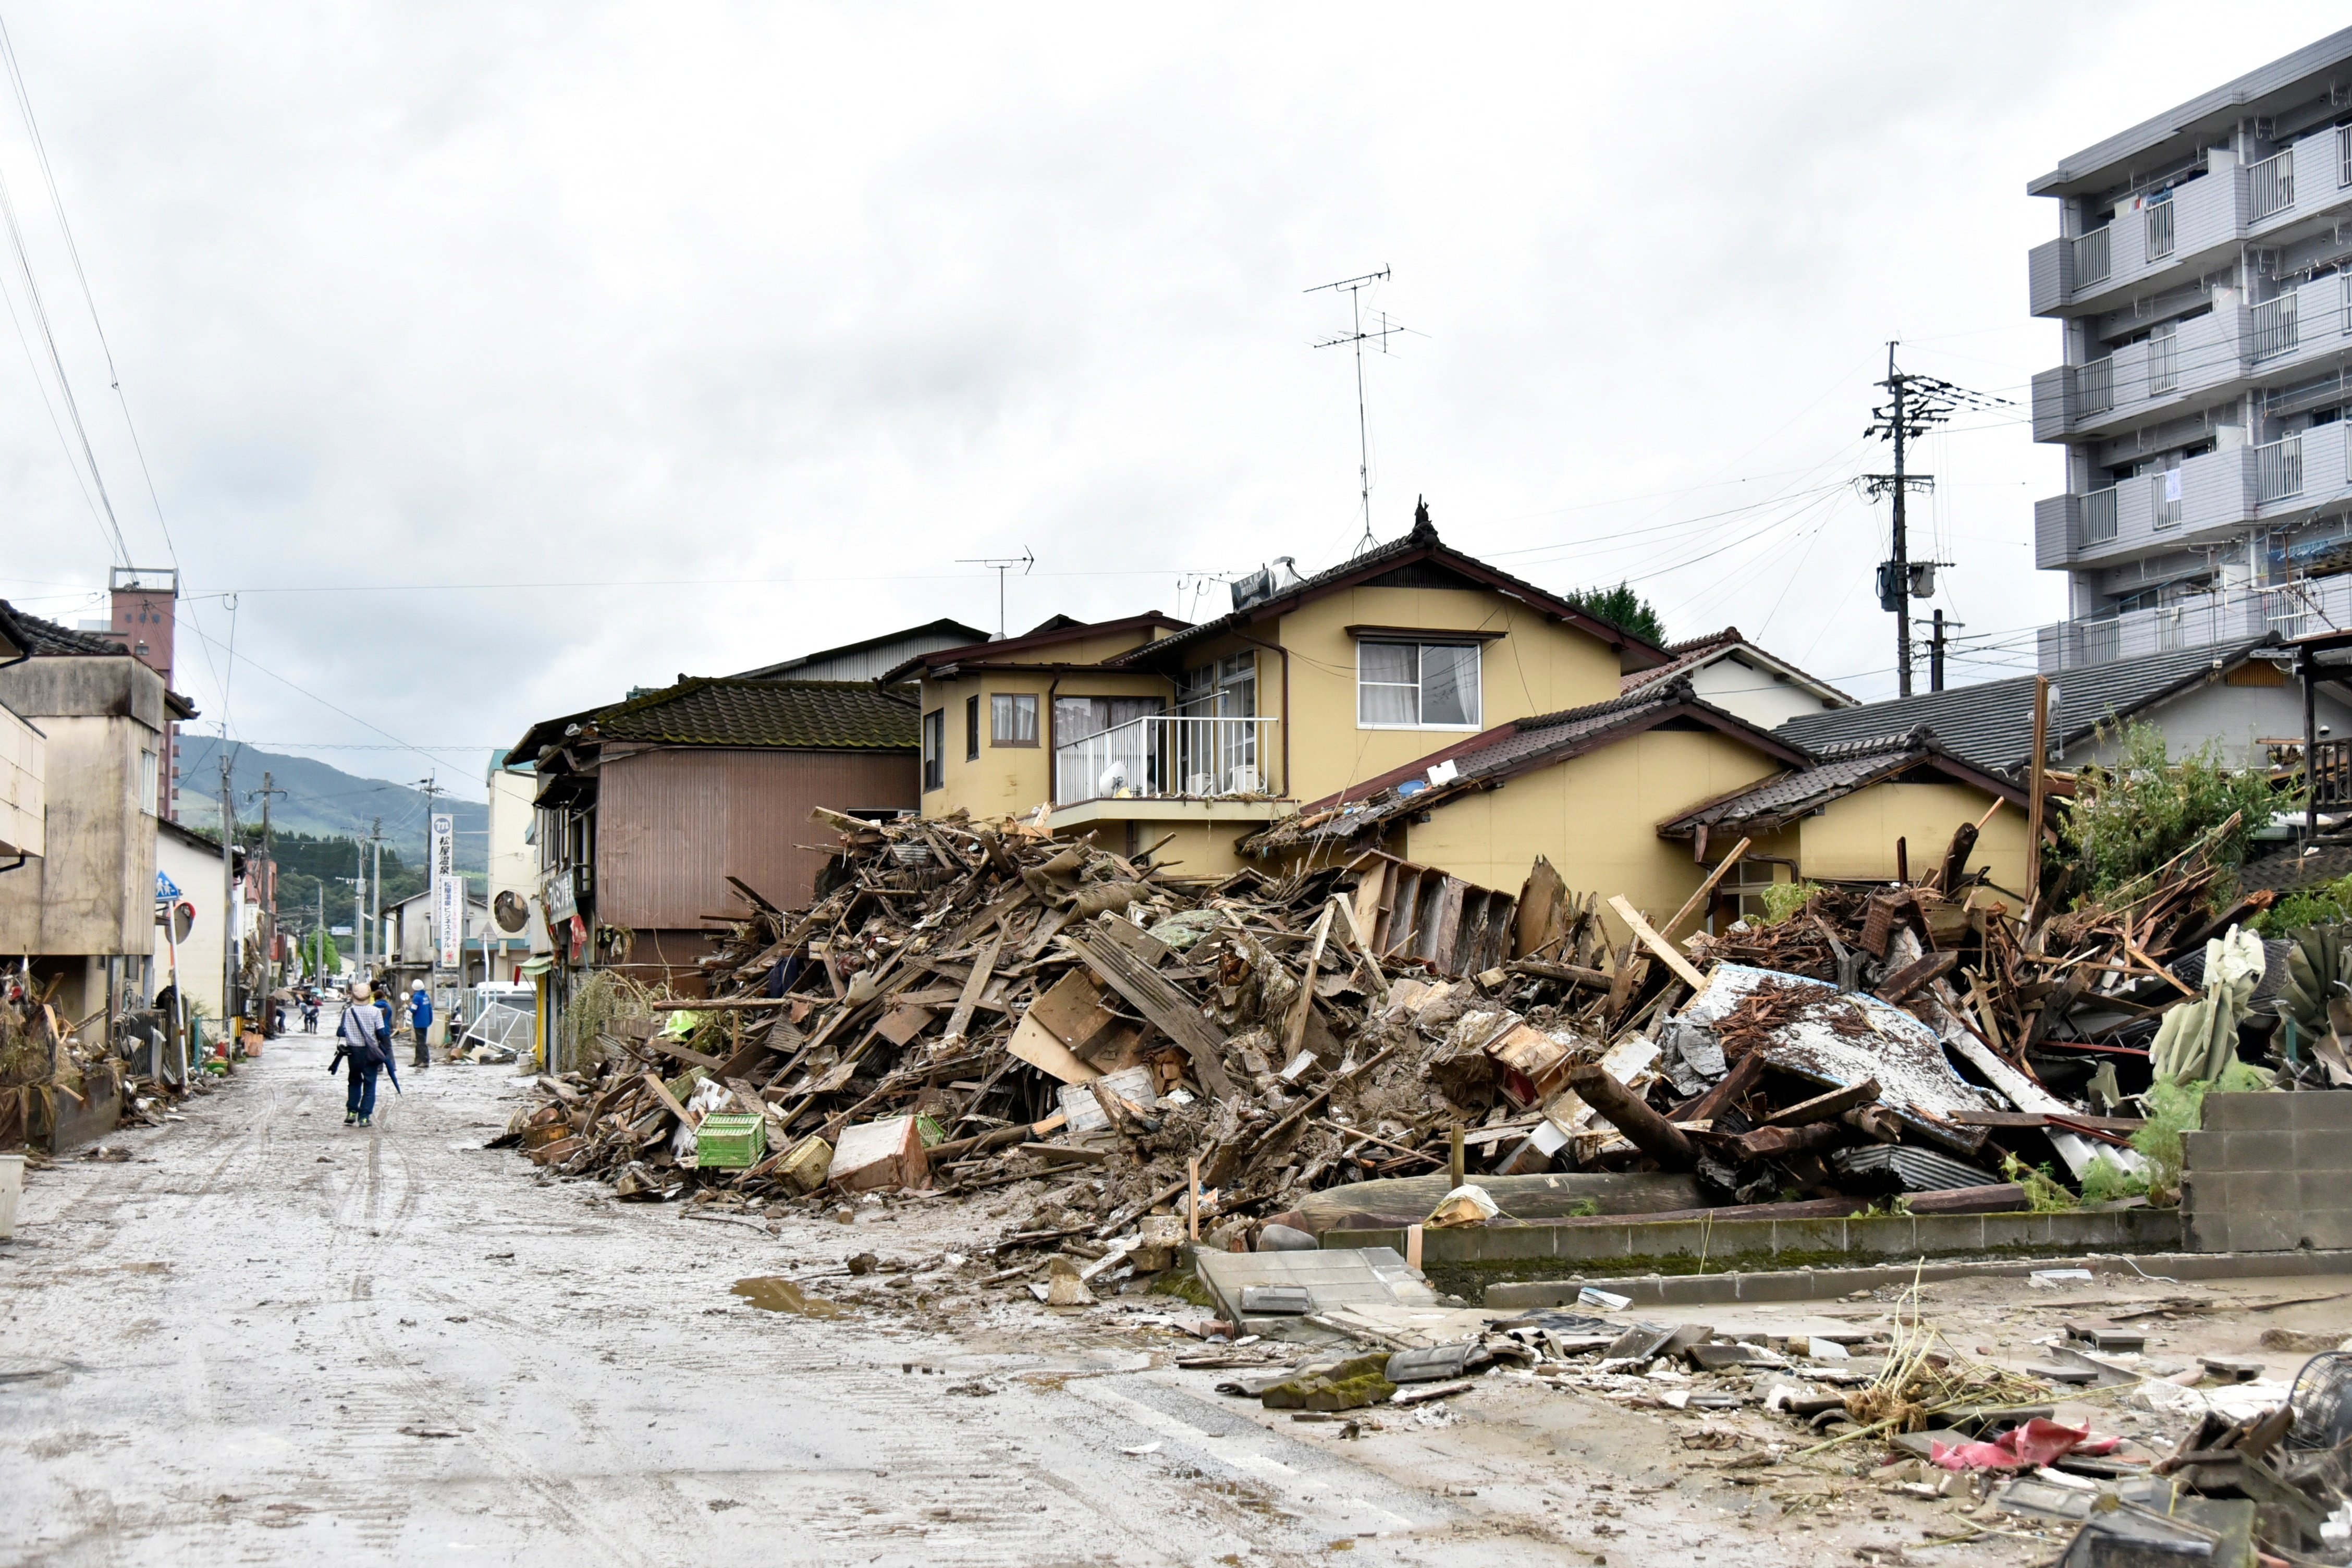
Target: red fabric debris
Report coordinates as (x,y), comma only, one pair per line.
(2035,1444)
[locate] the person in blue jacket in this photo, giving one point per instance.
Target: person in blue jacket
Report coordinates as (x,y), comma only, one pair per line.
(363,1044)
(420,1020)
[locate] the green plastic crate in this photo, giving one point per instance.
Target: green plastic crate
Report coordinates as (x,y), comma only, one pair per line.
(730,1143)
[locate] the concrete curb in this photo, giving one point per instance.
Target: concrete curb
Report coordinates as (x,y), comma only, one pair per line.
(1821,1284)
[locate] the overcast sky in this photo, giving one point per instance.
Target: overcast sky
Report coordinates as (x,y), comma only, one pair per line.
(497,358)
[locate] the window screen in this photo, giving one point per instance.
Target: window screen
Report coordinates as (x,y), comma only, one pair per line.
(935,746)
(1417,685)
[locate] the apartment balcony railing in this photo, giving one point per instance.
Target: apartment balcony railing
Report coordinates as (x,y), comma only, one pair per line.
(2278,471)
(1167,757)
(2093,258)
(2202,620)
(2269,187)
(2343,155)
(2274,327)
(2095,387)
(2164,363)
(2158,238)
(2164,497)
(2099,516)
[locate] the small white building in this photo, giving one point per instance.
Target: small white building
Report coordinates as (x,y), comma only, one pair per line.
(192,864)
(1731,673)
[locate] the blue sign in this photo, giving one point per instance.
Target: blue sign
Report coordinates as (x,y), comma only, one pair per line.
(164,888)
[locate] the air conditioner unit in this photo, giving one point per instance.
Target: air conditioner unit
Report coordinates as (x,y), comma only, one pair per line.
(1245,780)
(1200,783)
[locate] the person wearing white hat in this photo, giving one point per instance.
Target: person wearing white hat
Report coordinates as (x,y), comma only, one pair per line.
(420,1020)
(365,1046)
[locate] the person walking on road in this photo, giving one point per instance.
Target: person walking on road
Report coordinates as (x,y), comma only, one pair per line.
(420,1020)
(364,1046)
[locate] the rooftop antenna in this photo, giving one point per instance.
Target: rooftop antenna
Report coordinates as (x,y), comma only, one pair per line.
(1357,336)
(1001,565)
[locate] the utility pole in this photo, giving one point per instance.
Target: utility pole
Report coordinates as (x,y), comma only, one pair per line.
(270,904)
(375,892)
(1357,337)
(1936,655)
(1914,405)
(359,913)
(231,937)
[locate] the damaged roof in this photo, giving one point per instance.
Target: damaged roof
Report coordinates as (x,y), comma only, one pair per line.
(33,637)
(1484,761)
(1840,771)
(706,710)
(1991,725)
(1396,560)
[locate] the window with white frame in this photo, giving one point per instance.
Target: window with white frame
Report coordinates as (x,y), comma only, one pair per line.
(1416,686)
(148,783)
(935,748)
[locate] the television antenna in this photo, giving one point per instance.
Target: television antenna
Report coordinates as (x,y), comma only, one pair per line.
(1357,337)
(1001,565)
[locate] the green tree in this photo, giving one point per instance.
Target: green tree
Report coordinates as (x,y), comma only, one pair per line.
(1621,607)
(322,958)
(2129,817)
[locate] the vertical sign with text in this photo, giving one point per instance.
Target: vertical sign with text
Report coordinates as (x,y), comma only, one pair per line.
(448,896)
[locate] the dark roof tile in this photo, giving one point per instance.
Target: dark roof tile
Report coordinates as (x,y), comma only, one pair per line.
(817,715)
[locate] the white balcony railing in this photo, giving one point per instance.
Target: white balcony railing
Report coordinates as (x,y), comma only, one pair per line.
(2092,258)
(2095,387)
(2163,361)
(2274,327)
(2343,155)
(2278,469)
(2271,186)
(2158,215)
(2099,516)
(2199,620)
(1165,757)
(2164,498)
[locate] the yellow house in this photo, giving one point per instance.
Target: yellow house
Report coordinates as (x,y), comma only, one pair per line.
(1870,811)
(1142,729)
(1585,789)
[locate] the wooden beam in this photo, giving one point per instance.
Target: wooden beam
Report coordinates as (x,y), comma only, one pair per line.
(1657,944)
(1696,902)
(1295,1033)
(2037,787)
(960,1019)
(1823,1107)
(1170,1012)
(1631,1114)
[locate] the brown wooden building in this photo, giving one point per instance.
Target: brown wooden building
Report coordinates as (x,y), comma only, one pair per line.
(644,808)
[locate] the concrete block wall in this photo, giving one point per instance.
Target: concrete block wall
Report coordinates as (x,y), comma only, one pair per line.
(2269,1173)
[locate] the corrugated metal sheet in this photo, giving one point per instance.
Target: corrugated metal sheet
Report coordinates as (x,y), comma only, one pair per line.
(673,825)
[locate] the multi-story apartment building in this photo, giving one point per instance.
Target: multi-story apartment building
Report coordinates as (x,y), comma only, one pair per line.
(2204,281)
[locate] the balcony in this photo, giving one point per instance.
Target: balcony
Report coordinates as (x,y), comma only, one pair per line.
(2168,231)
(2201,620)
(2187,360)
(1164,757)
(2150,511)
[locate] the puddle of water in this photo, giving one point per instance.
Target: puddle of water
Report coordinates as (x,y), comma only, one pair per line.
(772,1294)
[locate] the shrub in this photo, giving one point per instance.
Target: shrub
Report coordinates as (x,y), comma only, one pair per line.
(2130,818)
(1782,900)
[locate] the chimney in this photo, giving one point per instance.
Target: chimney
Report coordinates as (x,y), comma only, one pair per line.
(144,601)
(145,604)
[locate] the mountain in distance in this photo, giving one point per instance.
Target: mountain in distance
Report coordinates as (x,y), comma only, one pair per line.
(326,802)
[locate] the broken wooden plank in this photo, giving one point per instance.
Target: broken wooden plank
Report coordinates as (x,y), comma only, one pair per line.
(1659,945)
(1824,1106)
(1295,1032)
(1169,1011)
(960,1019)
(1697,901)
(1631,1114)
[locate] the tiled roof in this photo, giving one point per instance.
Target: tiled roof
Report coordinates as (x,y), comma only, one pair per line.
(1840,772)
(1496,754)
(1701,650)
(48,639)
(817,715)
(1423,539)
(1991,724)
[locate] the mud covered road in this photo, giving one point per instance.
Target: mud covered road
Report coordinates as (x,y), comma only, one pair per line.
(265,1338)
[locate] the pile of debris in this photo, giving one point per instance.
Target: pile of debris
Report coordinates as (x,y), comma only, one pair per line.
(969,1006)
(60,1086)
